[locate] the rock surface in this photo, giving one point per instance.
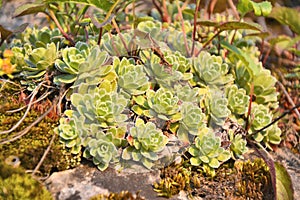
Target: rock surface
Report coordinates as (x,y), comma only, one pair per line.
(86,181)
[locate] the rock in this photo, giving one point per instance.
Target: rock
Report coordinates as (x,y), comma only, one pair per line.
(86,181)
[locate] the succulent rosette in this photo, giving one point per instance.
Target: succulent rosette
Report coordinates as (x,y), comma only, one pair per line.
(70,61)
(146,141)
(207,149)
(131,78)
(163,104)
(69,133)
(238,100)
(102,151)
(211,70)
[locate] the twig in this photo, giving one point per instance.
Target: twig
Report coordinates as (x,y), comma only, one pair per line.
(232,6)
(277,119)
(100,36)
(183,29)
(53,17)
(195,27)
(36,101)
(247,125)
(8,81)
(120,34)
(288,98)
(26,112)
(23,132)
(60,100)
(44,155)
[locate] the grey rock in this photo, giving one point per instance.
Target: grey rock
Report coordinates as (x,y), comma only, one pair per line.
(86,181)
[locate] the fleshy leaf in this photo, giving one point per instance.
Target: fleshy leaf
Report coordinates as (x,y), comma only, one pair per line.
(287,16)
(30,8)
(284,186)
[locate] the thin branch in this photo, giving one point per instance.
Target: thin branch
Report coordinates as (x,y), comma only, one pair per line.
(60,100)
(100,36)
(233,7)
(158,7)
(53,17)
(44,155)
(277,119)
(195,27)
(35,91)
(23,132)
(36,101)
(288,98)
(183,29)
(120,34)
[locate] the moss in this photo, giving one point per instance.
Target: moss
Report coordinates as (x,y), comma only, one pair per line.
(31,147)
(15,184)
(254,180)
(233,180)
(174,178)
(124,195)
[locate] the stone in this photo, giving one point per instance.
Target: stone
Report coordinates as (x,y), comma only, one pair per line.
(86,181)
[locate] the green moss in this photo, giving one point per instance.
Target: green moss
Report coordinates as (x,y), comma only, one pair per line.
(31,147)
(254,180)
(233,180)
(15,184)
(174,178)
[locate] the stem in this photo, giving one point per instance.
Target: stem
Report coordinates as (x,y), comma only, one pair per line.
(120,34)
(277,119)
(44,155)
(183,30)
(100,36)
(35,91)
(53,17)
(247,125)
(158,9)
(195,27)
(233,7)
(111,9)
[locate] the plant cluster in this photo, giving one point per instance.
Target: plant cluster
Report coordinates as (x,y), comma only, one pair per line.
(139,95)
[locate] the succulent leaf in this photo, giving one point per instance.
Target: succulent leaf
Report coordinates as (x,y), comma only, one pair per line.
(131,78)
(211,70)
(238,101)
(207,149)
(162,103)
(238,145)
(147,142)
